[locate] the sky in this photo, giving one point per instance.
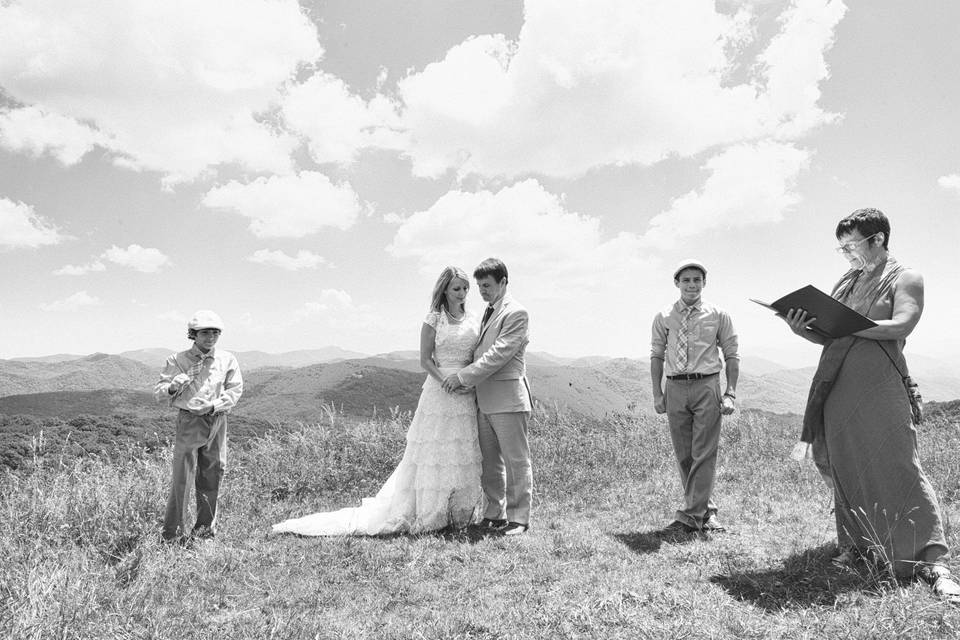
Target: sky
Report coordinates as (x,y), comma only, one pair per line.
(307,170)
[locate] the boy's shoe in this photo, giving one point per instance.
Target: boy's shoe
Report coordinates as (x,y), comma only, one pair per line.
(495,524)
(514,529)
(712,524)
(679,527)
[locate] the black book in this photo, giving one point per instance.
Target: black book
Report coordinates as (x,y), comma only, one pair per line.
(833,318)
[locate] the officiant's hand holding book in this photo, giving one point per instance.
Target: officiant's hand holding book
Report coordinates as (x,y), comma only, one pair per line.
(829,317)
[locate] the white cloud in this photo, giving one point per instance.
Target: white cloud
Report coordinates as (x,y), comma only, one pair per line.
(340,315)
(950,182)
(20,226)
(561,262)
(176,86)
(748,184)
(72,303)
(36,131)
(288,206)
(143,259)
(79,270)
(302,260)
(330,300)
(593,83)
(338,124)
(531,230)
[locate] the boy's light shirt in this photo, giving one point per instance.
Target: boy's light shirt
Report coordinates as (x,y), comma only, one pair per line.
(707,328)
(217,379)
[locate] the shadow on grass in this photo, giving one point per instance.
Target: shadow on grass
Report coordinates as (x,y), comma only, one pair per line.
(806,579)
(472,534)
(650,541)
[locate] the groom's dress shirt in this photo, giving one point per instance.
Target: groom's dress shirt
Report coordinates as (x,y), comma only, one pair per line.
(708,327)
(216,377)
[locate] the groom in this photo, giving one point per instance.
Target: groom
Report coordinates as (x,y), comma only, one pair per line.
(499,374)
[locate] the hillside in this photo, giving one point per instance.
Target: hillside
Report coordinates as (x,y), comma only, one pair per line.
(250,360)
(593,387)
(102,402)
(97,371)
(81,535)
(353,387)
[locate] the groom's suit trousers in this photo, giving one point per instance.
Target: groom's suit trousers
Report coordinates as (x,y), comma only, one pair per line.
(507,474)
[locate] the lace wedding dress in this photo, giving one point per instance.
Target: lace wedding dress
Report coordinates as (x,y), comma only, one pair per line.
(437,483)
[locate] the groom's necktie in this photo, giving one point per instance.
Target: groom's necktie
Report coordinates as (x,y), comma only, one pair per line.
(682,339)
(486,315)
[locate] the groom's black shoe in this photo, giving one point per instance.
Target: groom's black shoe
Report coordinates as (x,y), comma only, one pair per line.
(514,529)
(493,523)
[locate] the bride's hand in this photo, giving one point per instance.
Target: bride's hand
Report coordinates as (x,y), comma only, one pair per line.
(451,383)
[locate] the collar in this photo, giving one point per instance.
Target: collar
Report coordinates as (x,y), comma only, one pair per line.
(680,305)
(499,304)
(196,354)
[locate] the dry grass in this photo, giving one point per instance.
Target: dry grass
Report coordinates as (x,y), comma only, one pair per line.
(81,557)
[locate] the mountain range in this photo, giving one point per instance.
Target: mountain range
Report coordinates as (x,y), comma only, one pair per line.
(296,385)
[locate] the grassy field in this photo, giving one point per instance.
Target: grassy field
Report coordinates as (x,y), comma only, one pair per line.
(80,557)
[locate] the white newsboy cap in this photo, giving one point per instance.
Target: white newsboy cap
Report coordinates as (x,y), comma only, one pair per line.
(205,319)
(689,263)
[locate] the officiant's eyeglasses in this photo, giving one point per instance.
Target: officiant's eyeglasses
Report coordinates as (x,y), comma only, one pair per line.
(848,247)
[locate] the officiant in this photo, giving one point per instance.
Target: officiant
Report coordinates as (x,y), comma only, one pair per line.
(860,416)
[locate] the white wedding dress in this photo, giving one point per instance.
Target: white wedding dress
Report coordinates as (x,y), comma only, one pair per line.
(437,483)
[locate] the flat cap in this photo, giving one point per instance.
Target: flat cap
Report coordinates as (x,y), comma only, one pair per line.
(205,319)
(689,263)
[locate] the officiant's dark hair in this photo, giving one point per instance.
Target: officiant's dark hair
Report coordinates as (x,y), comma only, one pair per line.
(439,301)
(491,267)
(868,222)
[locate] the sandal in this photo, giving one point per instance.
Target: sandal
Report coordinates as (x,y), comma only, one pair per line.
(944,585)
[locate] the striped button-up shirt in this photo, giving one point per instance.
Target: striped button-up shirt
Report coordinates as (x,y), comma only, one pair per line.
(708,328)
(217,379)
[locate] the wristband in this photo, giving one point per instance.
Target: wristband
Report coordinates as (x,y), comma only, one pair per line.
(732,396)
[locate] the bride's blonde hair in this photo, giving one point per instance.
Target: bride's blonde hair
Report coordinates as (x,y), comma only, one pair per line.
(448,275)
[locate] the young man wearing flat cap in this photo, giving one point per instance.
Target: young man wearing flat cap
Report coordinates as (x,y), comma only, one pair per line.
(688,338)
(204,383)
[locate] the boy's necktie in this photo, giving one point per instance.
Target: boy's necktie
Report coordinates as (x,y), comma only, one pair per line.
(682,340)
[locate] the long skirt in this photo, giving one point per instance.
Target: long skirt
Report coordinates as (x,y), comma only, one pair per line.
(885,506)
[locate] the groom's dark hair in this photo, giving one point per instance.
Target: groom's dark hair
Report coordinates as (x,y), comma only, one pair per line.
(491,267)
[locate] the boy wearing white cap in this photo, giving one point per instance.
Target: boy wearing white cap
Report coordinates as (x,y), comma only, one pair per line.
(687,340)
(204,383)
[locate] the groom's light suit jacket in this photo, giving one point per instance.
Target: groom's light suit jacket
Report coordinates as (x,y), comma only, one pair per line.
(498,371)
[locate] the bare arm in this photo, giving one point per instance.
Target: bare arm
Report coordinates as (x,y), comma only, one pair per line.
(732,366)
(907,307)
(656,377)
(428,337)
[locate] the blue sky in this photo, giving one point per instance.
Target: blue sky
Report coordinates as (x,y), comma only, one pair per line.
(308,169)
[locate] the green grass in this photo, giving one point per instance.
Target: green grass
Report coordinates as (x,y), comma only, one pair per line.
(80,557)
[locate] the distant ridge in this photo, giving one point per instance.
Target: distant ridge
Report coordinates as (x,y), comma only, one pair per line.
(249,360)
(279,387)
(96,371)
(57,357)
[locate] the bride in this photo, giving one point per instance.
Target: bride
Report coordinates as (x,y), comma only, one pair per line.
(437,483)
